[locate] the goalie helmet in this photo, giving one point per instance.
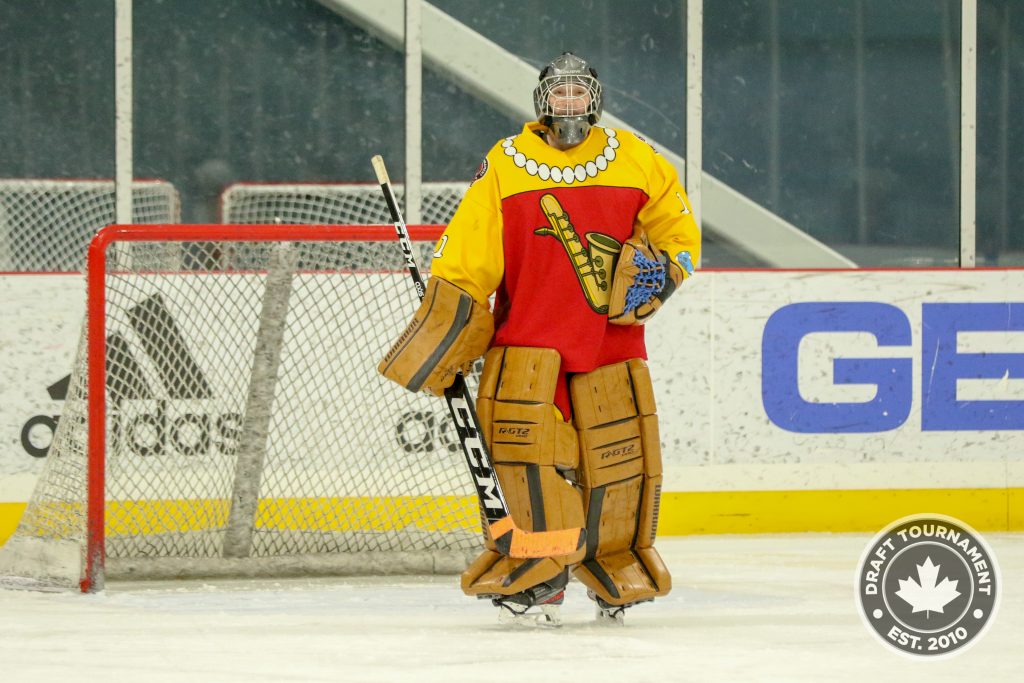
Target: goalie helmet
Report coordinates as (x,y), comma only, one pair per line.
(568,98)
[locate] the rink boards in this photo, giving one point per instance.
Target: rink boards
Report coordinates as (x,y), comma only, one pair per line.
(789,401)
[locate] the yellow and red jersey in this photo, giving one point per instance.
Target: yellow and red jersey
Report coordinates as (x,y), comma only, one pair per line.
(541,229)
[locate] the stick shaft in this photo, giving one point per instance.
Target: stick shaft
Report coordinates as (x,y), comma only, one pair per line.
(399,223)
(509,539)
(458,396)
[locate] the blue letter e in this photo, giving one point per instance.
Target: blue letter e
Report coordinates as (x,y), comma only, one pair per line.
(780,389)
(942,365)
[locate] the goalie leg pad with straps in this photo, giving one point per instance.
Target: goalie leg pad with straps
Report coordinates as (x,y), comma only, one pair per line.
(493,574)
(449,330)
(535,455)
(620,471)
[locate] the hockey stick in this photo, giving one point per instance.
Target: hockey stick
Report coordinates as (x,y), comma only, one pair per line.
(510,539)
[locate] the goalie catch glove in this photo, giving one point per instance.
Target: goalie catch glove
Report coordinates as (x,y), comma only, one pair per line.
(643,280)
(449,331)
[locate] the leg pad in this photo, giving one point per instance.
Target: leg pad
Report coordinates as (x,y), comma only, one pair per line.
(620,471)
(494,574)
(626,577)
(536,455)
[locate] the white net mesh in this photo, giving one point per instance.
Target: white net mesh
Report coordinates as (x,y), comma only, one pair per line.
(45,225)
(334,204)
(243,374)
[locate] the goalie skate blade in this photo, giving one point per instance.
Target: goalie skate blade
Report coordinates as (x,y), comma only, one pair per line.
(549,616)
(610,617)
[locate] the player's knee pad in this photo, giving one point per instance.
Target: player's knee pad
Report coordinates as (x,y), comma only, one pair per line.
(535,454)
(620,471)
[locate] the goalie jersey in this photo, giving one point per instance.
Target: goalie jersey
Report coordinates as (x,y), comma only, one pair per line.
(541,229)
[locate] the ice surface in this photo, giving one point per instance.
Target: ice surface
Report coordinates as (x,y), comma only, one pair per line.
(744,608)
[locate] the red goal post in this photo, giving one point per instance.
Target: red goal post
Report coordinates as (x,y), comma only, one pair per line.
(243,429)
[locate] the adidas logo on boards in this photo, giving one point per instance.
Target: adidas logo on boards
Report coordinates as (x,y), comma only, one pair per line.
(145,421)
(40,429)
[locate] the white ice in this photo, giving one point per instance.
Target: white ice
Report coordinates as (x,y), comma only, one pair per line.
(744,608)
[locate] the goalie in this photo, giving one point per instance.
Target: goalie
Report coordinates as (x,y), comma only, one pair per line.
(581,233)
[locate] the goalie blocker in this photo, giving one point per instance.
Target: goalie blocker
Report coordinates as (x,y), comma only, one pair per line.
(449,331)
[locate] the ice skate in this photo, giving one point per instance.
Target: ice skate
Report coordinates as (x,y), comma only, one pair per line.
(537,606)
(610,615)
(548,613)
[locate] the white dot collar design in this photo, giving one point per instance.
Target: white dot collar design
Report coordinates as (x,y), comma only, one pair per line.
(564,174)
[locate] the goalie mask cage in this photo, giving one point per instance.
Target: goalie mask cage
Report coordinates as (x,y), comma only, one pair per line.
(244,429)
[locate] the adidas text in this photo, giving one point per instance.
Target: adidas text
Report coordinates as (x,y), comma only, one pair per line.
(162,427)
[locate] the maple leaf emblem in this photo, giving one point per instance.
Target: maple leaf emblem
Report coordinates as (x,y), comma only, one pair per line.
(927,596)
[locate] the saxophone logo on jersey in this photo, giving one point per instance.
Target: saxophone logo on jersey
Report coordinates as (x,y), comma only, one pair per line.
(595,264)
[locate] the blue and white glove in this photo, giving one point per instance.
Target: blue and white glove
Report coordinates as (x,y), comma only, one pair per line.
(643,280)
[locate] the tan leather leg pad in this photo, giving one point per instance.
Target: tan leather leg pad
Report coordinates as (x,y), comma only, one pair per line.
(517,411)
(613,392)
(625,577)
(540,499)
(494,574)
(613,508)
(620,471)
(525,374)
(614,411)
(531,445)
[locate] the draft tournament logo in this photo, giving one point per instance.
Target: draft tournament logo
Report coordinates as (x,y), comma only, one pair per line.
(928,586)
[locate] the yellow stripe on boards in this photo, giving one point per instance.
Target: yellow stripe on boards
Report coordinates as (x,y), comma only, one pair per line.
(426,513)
(682,513)
(739,512)
(10,513)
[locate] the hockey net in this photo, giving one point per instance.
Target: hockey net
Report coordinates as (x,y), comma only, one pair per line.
(46,225)
(244,429)
(320,203)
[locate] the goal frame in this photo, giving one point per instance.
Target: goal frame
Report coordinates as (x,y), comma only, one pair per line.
(93,576)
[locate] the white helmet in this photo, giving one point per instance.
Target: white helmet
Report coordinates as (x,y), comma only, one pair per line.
(568,98)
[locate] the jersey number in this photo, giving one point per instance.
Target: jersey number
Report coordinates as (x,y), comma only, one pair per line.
(686,209)
(440,246)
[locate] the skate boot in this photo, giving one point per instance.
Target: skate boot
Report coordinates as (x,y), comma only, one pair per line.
(547,598)
(608,614)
